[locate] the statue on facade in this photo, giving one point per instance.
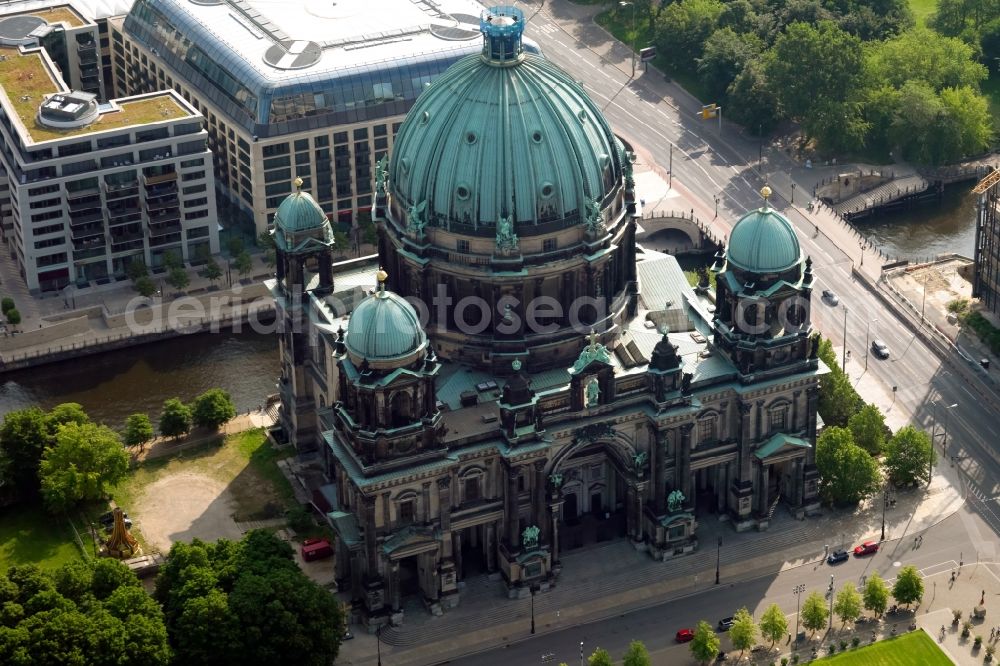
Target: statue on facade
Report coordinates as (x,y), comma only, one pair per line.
(640,460)
(594,351)
(814,347)
(506,238)
(627,158)
(594,217)
(593,392)
(529,538)
(674,501)
(686,383)
(415,221)
(381,176)
(556,480)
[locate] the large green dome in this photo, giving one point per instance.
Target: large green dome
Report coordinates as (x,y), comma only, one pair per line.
(504,133)
(299,212)
(763,241)
(384,329)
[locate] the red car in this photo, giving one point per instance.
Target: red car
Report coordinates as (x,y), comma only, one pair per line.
(316,549)
(867,548)
(685,635)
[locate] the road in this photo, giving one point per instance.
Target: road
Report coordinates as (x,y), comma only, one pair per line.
(661,118)
(943,547)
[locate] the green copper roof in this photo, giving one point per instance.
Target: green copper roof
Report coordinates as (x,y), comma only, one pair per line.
(299,212)
(384,327)
(763,241)
(486,141)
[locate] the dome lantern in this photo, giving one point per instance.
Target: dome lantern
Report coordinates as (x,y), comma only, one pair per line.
(502,28)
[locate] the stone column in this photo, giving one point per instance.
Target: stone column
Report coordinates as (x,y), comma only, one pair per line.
(456,542)
(427,501)
(554,541)
(538,508)
(631,518)
(795,411)
(655,460)
(491,547)
(685,469)
(744,440)
(394,594)
(513,522)
(370,553)
(765,475)
(720,487)
(640,491)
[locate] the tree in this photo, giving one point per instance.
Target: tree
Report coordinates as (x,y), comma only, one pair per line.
(838,400)
(235,246)
(637,655)
(175,419)
(683,27)
(814,612)
(909,586)
(61,414)
(968,112)
(725,55)
(172,260)
(743,633)
(909,456)
(600,658)
(925,56)
(705,644)
(847,605)
(110,575)
(137,269)
(773,624)
(868,428)
(876,594)
(85,461)
(23,436)
(814,68)
(212,270)
(145,286)
(212,408)
(847,472)
(265,241)
(243,264)
(13,317)
(138,431)
(178,278)
(6,304)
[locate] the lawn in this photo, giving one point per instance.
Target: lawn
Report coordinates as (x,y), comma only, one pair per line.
(913,648)
(245,462)
(922,9)
(30,535)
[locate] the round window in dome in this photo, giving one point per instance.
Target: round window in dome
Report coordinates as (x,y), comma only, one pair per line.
(547,190)
(462,191)
(536,136)
(582,116)
(404,164)
(470,138)
(424,117)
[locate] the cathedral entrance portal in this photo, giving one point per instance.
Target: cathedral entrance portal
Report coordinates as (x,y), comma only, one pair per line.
(594,496)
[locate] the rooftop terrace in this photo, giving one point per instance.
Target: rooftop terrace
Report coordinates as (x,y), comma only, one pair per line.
(57,14)
(26,81)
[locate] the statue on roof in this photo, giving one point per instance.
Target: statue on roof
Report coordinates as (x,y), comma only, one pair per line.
(594,351)
(381,176)
(507,241)
(594,217)
(415,221)
(627,158)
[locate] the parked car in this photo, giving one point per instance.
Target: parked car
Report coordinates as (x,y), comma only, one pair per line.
(867,548)
(726,623)
(880,349)
(837,556)
(316,549)
(830,297)
(685,635)
(107,520)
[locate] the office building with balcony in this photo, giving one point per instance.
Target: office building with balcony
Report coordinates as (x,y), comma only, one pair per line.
(296,89)
(93,186)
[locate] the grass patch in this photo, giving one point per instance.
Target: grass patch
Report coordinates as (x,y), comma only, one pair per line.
(986,331)
(922,9)
(915,647)
(244,462)
(63,13)
(29,535)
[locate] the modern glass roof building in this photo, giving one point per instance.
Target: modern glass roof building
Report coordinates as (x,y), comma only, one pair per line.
(295,89)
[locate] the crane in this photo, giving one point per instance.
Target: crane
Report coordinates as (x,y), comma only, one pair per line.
(991,179)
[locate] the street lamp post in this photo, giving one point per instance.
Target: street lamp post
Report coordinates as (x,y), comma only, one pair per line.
(718,560)
(793,194)
(799,589)
(885,503)
(632,4)
(670,167)
(534,588)
(843,359)
(867,350)
(831,603)
(378,644)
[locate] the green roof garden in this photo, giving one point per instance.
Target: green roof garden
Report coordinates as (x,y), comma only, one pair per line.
(57,14)
(27,81)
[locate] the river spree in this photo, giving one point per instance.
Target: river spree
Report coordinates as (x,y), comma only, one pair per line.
(138,379)
(931,229)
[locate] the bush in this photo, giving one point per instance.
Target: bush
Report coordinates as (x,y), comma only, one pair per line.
(831,648)
(795,659)
(959,305)
(966,629)
(7,304)
(784,661)
(843,645)
(855,641)
(990,651)
(300,519)
(956,615)
(978,642)
(13,317)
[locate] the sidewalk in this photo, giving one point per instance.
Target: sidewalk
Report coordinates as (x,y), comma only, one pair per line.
(160,447)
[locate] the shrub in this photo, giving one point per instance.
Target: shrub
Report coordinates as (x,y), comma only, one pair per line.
(784,661)
(855,641)
(978,642)
(966,629)
(831,648)
(13,317)
(956,615)
(959,305)
(7,304)
(300,520)
(795,659)
(843,645)
(990,651)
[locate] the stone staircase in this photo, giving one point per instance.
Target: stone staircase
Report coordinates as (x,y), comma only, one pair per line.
(898,188)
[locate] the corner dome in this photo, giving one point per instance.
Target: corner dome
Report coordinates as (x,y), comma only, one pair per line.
(384,329)
(763,241)
(503,133)
(299,212)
